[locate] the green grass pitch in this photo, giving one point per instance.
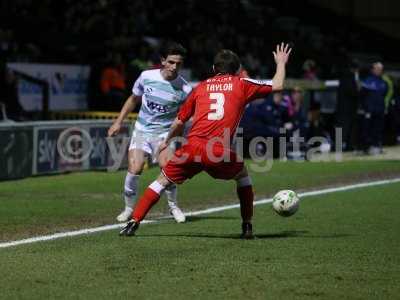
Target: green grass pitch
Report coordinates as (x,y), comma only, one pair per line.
(339,245)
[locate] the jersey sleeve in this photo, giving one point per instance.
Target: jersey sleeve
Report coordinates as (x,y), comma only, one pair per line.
(254,89)
(187,109)
(138,88)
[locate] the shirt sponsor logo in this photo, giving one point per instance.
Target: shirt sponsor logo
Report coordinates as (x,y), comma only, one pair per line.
(155,107)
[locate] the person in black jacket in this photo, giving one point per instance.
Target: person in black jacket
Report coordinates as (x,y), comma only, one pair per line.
(265,118)
(347,104)
(9,94)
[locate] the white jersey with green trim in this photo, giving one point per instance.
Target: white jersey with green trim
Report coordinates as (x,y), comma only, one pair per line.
(161,100)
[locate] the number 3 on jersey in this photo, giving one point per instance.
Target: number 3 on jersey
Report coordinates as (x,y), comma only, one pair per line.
(217,106)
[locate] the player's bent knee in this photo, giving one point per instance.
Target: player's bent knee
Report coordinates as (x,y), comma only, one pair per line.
(136,168)
(163,159)
(164,180)
(162,163)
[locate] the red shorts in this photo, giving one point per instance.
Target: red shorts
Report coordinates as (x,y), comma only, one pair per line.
(192,158)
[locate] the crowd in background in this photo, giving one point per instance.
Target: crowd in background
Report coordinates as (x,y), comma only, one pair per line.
(367,110)
(119,39)
(90,32)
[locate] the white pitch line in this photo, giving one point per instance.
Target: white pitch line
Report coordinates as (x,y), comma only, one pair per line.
(65,234)
(195,213)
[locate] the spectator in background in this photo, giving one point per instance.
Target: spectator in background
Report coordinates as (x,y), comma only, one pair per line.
(9,94)
(310,70)
(141,60)
(390,91)
(113,84)
(373,91)
(297,125)
(265,118)
(274,115)
(251,124)
(347,103)
(296,113)
(396,112)
(390,114)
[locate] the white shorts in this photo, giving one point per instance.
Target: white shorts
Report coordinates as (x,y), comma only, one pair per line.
(147,142)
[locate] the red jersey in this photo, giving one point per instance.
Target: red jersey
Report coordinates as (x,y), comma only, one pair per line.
(217,104)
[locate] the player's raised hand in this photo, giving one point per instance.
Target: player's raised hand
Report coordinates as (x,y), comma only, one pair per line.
(281,55)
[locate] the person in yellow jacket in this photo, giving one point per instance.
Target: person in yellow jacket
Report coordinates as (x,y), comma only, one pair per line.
(389,97)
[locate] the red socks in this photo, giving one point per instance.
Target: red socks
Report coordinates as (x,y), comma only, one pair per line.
(246,197)
(152,195)
(145,203)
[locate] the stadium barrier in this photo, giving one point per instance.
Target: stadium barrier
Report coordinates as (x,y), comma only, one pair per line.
(30,148)
(35,148)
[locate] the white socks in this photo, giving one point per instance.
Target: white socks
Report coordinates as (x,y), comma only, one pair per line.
(130,189)
(171,193)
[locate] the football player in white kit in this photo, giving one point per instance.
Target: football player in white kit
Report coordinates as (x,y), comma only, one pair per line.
(161,92)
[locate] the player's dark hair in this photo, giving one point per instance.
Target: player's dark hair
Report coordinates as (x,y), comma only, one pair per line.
(226,62)
(172,48)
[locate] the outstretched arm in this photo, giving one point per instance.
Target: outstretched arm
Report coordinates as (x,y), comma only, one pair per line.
(175,130)
(281,56)
(129,106)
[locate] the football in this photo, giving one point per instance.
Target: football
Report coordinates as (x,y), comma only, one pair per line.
(285,203)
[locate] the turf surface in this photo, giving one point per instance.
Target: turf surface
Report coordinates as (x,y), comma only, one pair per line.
(51,204)
(339,245)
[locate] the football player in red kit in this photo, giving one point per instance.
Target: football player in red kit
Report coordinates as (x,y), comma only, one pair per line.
(216,106)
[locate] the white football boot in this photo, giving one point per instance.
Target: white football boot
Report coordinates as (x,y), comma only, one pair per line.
(177,214)
(125,215)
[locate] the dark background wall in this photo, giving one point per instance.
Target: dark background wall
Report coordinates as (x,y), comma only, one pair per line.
(383,15)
